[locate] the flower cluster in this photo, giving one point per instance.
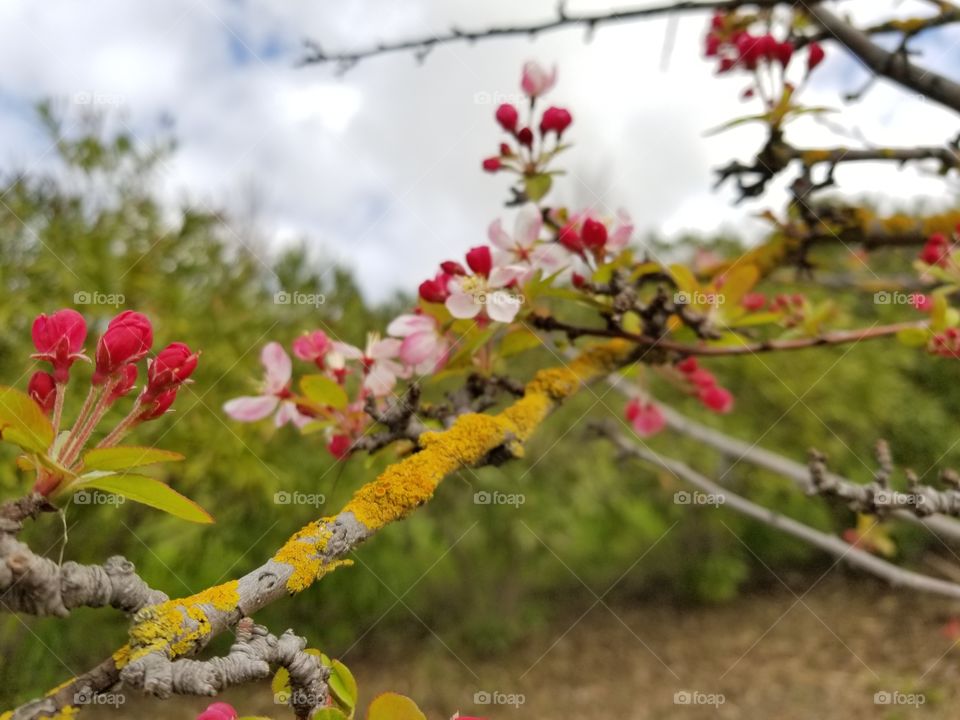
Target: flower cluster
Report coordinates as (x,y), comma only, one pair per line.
(703,384)
(731,42)
(128,338)
(937,250)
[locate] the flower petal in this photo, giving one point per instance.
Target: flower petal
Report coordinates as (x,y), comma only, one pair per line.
(419,347)
(250,409)
(462,305)
(502,307)
(404,325)
(498,236)
(278,366)
(528,224)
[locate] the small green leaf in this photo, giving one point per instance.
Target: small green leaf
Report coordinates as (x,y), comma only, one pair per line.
(536,186)
(146,490)
(391,706)
(518,341)
(324,391)
(343,686)
(328,714)
(120,458)
(22,422)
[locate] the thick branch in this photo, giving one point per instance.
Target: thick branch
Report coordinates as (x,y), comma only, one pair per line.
(895,66)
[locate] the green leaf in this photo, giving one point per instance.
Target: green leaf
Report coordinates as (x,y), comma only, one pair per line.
(324,391)
(536,186)
(328,714)
(737,282)
(391,706)
(343,686)
(22,422)
(145,490)
(120,458)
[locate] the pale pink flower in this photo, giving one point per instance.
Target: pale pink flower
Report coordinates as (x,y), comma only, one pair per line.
(522,250)
(646,417)
(275,392)
(312,347)
(472,294)
(423,348)
(536,80)
(380,370)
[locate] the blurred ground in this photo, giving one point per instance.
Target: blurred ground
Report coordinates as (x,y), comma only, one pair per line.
(809,648)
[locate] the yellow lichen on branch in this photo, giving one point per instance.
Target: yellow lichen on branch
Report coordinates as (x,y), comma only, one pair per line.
(406,485)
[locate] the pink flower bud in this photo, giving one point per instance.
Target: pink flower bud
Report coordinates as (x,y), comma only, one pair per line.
(815,55)
(688,365)
(593,233)
(218,711)
(936,251)
(127,339)
(767,46)
(784,52)
(312,347)
(435,290)
(505,150)
(452,267)
(701,378)
(712,45)
(646,418)
(507,116)
(753,301)
(480,260)
(43,389)
(125,381)
(170,368)
(535,80)
(158,405)
(569,237)
(339,446)
(717,399)
(556,120)
(58,339)
(491,164)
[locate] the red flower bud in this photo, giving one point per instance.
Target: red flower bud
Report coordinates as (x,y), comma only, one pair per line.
(451,267)
(712,45)
(815,55)
(43,389)
(555,119)
(702,378)
(525,137)
(159,405)
(717,399)
(507,116)
(593,233)
(936,251)
(570,238)
(126,379)
(688,365)
(784,52)
(58,339)
(578,280)
(170,368)
(767,46)
(435,290)
(753,301)
(480,260)
(127,339)
(726,65)
(505,150)
(339,446)
(491,164)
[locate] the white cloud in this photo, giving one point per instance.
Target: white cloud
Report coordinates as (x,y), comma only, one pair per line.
(381,168)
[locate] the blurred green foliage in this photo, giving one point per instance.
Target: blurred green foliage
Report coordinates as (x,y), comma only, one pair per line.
(479,576)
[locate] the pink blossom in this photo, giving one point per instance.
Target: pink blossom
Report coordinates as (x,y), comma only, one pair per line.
(218,711)
(472,294)
(535,80)
(522,249)
(275,394)
(423,348)
(380,370)
(312,347)
(645,416)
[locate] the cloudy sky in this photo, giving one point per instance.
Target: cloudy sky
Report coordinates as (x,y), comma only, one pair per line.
(380,168)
